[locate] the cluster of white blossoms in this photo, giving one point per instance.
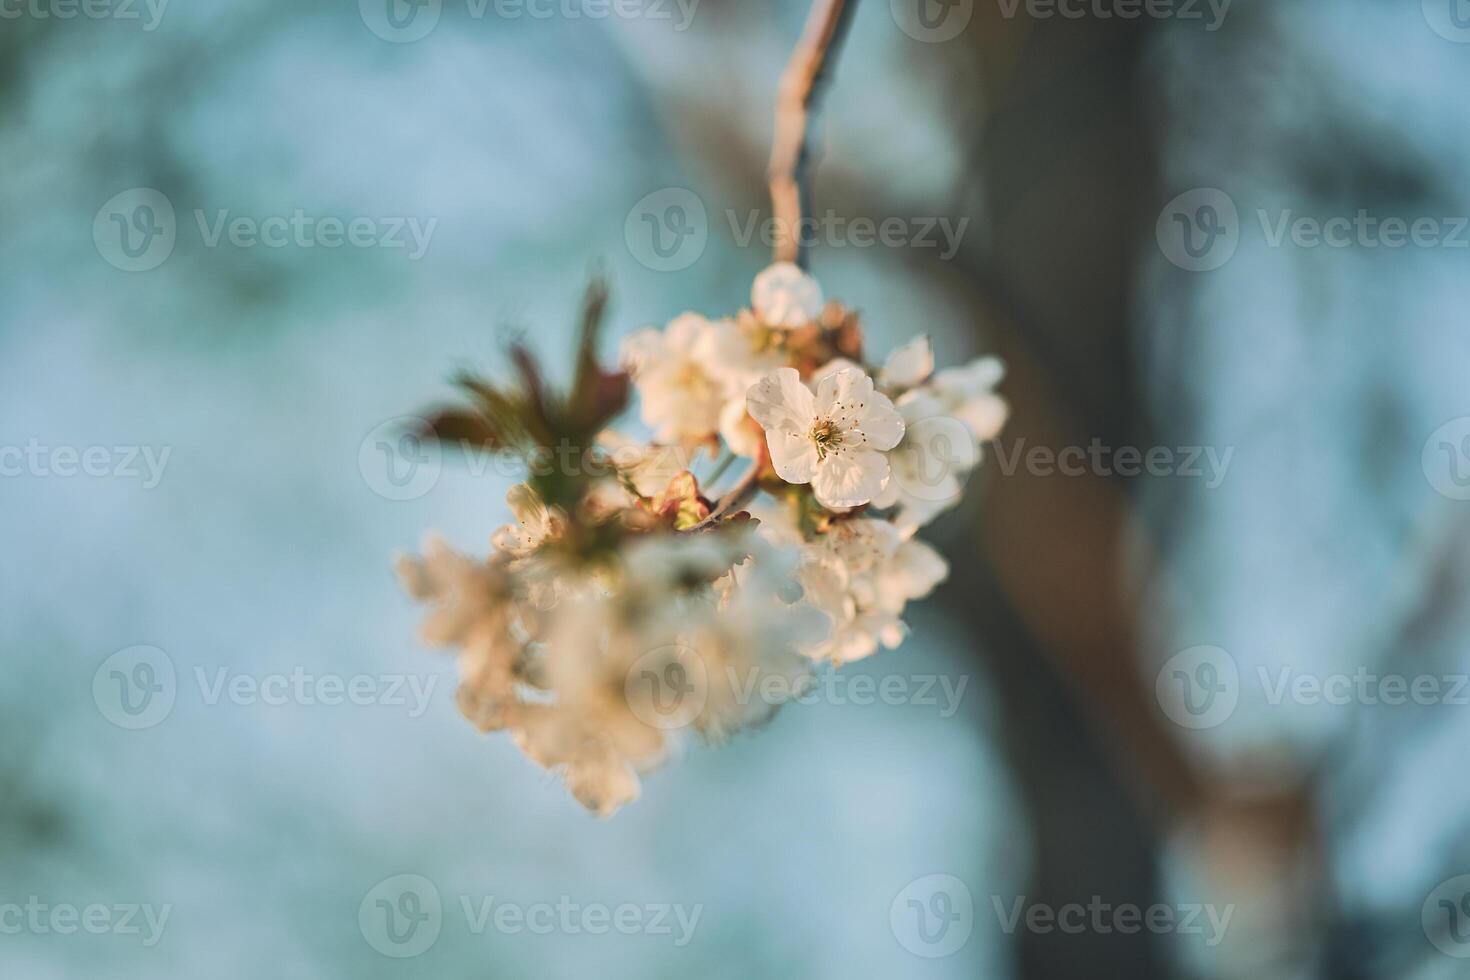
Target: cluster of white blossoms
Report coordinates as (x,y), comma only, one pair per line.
(629,604)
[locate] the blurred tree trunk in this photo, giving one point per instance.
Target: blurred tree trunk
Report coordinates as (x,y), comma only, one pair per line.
(1063,165)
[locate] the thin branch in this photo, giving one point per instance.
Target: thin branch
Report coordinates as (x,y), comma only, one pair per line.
(736,497)
(789,172)
(796,99)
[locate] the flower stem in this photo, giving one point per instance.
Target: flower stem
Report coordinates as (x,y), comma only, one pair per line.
(733,499)
(796,99)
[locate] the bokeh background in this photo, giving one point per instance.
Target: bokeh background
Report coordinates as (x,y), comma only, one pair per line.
(1114,176)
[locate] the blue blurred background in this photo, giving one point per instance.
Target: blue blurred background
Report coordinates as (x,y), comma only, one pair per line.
(239,516)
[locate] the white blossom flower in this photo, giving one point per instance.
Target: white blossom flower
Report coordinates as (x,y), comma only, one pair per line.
(834,439)
(679,383)
(785,296)
(928,465)
(603,632)
(744,352)
(908,366)
(861,574)
(535,523)
(968,394)
(473,610)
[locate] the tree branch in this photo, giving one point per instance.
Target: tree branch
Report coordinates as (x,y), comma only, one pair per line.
(789,172)
(796,99)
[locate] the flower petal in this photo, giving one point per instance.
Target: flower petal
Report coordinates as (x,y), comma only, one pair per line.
(880,422)
(984,416)
(840,392)
(781,401)
(914,572)
(793,455)
(784,296)
(908,365)
(740,432)
(849,479)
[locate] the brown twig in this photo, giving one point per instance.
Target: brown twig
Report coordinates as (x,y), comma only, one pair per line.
(789,171)
(796,98)
(736,497)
